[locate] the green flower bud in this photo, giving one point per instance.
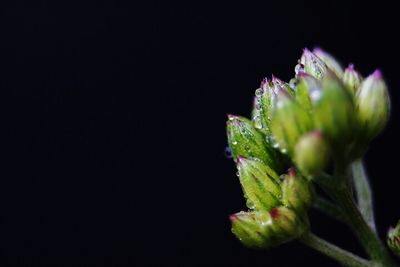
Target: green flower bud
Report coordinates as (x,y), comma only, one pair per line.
(311,153)
(352,79)
(297,192)
(267,229)
(252,229)
(393,239)
(265,101)
(372,105)
(307,89)
(244,140)
(330,61)
(289,122)
(261,185)
(313,65)
(286,224)
(334,110)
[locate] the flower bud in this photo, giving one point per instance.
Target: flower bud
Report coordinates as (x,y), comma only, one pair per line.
(330,61)
(263,105)
(352,79)
(372,105)
(252,229)
(244,140)
(313,65)
(267,229)
(393,239)
(289,122)
(261,185)
(334,111)
(297,192)
(311,153)
(308,88)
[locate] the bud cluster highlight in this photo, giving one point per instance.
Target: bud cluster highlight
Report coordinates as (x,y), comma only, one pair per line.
(324,113)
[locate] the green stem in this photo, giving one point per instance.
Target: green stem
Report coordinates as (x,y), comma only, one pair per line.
(328,208)
(344,257)
(343,196)
(363,192)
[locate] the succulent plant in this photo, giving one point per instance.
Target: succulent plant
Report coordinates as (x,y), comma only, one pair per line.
(325,116)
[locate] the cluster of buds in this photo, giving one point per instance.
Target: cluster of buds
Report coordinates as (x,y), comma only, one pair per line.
(323,113)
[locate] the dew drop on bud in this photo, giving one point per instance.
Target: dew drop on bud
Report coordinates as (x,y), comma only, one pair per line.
(259,92)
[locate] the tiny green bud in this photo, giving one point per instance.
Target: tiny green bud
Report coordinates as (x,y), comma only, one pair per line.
(251,228)
(264,100)
(312,64)
(261,185)
(330,61)
(308,88)
(311,153)
(297,192)
(281,85)
(289,122)
(393,239)
(372,105)
(334,110)
(352,79)
(286,224)
(267,229)
(244,140)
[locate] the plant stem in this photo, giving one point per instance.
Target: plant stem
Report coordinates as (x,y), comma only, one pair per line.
(364,192)
(343,196)
(328,208)
(344,257)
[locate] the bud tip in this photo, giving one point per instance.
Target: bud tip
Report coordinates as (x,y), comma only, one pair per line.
(292,171)
(274,213)
(377,74)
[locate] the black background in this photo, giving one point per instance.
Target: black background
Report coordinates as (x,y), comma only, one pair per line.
(114,114)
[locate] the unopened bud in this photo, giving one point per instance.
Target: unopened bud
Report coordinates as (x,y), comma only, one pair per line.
(289,122)
(311,153)
(312,64)
(372,105)
(267,229)
(352,79)
(260,184)
(297,192)
(244,140)
(334,111)
(330,61)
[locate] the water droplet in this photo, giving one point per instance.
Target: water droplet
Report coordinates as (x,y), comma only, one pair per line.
(265,223)
(276,145)
(258,106)
(282,177)
(237,174)
(257,122)
(298,68)
(284,150)
(249,203)
(259,92)
(315,95)
(234,143)
(228,152)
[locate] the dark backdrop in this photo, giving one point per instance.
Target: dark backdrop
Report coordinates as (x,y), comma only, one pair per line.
(113,117)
